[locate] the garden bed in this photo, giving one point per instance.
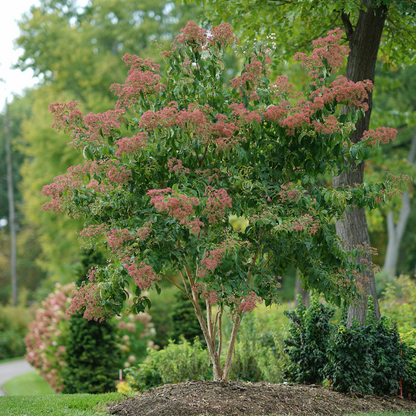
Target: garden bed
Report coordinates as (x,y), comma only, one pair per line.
(210,398)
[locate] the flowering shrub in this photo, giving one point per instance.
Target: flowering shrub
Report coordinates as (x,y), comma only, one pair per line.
(45,342)
(133,337)
(161,185)
(48,335)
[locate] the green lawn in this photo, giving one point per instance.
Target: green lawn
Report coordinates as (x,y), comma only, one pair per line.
(9,360)
(384,414)
(58,404)
(29,384)
(84,405)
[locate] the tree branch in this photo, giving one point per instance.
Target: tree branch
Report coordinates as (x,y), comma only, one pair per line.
(349,30)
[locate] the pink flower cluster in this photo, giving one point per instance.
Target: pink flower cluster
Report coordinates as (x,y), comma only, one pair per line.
(178,206)
(143,274)
(132,144)
(144,232)
(287,192)
(223,35)
(328,49)
(381,135)
(243,115)
(282,88)
(99,125)
(66,115)
(248,303)
(152,120)
(251,77)
(117,238)
(88,129)
(329,125)
(143,78)
(88,301)
(211,296)
(91,233)
(217,202)
(45,348)
(212,258)
(56,191)
(305,222)
(193,35)
(276,113)
(344,91)
(118,174)
(175,165)
(74,179)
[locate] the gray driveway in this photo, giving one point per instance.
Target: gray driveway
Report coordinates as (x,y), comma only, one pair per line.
(11,370)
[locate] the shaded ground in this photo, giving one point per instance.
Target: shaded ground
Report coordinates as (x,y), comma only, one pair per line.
(209,398)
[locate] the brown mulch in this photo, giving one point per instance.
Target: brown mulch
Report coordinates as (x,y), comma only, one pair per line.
(210,398)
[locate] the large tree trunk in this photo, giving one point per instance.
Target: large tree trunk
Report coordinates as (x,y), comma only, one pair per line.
(299,290)
(396,231)
(364,42)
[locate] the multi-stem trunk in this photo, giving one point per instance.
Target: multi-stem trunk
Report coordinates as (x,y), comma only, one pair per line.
(209,329)
(364,42)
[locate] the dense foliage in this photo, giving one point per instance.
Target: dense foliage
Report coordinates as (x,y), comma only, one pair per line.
(174,364)
(91,356)
(13,328)
(366,358)
(307,342)
(50,335)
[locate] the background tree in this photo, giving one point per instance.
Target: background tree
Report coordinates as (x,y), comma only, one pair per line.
(77,54)
(28,271)
(373,28)
(397,106)
(184,320)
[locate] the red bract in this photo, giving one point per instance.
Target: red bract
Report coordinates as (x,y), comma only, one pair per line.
(132,144)
(382,135)
(327,50)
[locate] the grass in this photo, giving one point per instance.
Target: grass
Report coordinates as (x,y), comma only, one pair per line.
(59,404)
(29,384)
(10,360)
(384,414)
(86,405)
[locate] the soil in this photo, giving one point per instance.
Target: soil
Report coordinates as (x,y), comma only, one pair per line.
(211,398)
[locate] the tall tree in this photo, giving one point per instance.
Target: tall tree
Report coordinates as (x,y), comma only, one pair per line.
(372,27)
(77,53)
(29,272)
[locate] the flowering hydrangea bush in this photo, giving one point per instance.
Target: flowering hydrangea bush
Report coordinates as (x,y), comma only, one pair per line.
(157,188)
(45,342)
(48,336)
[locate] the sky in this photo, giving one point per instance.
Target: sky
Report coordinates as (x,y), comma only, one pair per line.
(16,80)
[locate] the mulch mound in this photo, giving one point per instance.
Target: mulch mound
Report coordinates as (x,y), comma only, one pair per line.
(210,398)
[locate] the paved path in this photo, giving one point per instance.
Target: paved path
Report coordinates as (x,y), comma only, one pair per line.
(11,370)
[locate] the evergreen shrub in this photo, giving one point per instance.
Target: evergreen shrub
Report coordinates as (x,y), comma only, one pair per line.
(366,358)
(92,356)
(307,341)
(184,320)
